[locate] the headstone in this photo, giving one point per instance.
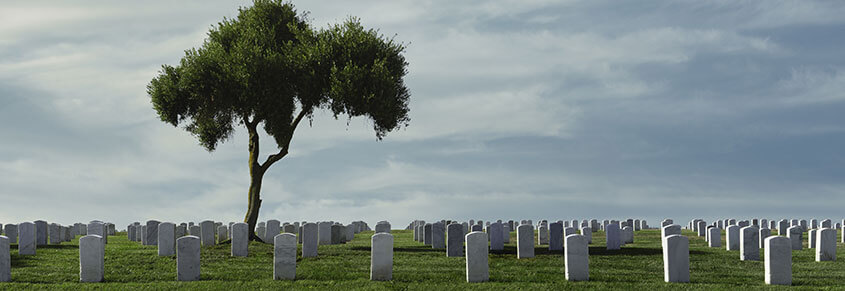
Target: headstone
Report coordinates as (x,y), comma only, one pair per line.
(222,233)
(542,235)
(525,241)
(240,239)
(383,227)
(188,258)
(702,228)
(749,244)
(506,233)
(324,232)
(284,256)
(455,242)
(55,233)
(91,258)
(28,237)
(336,231)
(131,232)
(676,258)
(715,237)
(207,232)
(477,267)
(310,239)
(782,226)
(494,232)
(273,228)
(427,234)
(612,236)
(290,228)
(5,260)
(732,238)
(826,245)
(627,235)
(11,231)
(140,235)
(556,236)
(99,229)
(180,231)
(381,256)
(166,239)
(670,229)
(41,232)
(195,230)
(763,234)
(794,234)
(151,237)
(438,236)
(811,238)
(576,257)
(778,260)
(827,223)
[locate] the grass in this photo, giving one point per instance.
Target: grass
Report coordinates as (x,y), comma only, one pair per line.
(129,265)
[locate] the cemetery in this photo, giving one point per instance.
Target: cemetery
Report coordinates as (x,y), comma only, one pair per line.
(422,255)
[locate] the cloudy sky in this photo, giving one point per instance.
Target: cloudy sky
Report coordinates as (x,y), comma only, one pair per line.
(519,110)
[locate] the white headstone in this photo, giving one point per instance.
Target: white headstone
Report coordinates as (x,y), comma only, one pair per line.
(383,227)
(794,234)
(576,257)
(324,233)
(778,260)
(271,229)
(310,239)
(542,235)
(455,242)
(477,267)
(11,231)
(166,239)
(438,236)
(749,244)
(188,258)
(207,232)
(284,256)
(91,258)
(714,237)
(676,258)
(151,237)
(27,243)
(381,257)
(240,239)
(612,236)
(222,233)
(811,238)
(763,234)
(41,232)
(732,238)
(524,241)
(5,260)
(556,236)
(826,245)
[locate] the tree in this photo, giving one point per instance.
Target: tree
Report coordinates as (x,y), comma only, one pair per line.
(269,68)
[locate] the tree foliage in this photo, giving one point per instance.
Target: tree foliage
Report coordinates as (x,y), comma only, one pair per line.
(270,67)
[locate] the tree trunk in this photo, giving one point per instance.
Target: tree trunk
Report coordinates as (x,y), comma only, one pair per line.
(256,175)
(254,204)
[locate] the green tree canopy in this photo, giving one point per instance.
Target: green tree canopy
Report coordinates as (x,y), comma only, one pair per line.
(269,68)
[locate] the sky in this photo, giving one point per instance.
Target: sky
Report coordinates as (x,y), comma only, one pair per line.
(519,110)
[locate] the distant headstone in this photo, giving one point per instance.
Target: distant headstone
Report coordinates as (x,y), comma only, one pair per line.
(41,232)
(284,256)
(27,243)
(556,236)
(91,258)
(222,233)
(273,228)
(207,232)
(612,236)
(811,238)
(763,234)
(383,227)
(55,233)
(794,234)
(427,234)
(151,236)
(477,266)
(324,232)
(455,242)
(494,232)
(188,258)
(166,239)
(676,258)
(310,239)
(99,229)
(11,231)
(732,238)
(715,237)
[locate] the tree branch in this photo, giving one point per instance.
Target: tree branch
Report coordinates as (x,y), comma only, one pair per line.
(284,150)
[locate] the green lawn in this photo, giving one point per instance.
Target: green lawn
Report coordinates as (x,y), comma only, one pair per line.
(416,267)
